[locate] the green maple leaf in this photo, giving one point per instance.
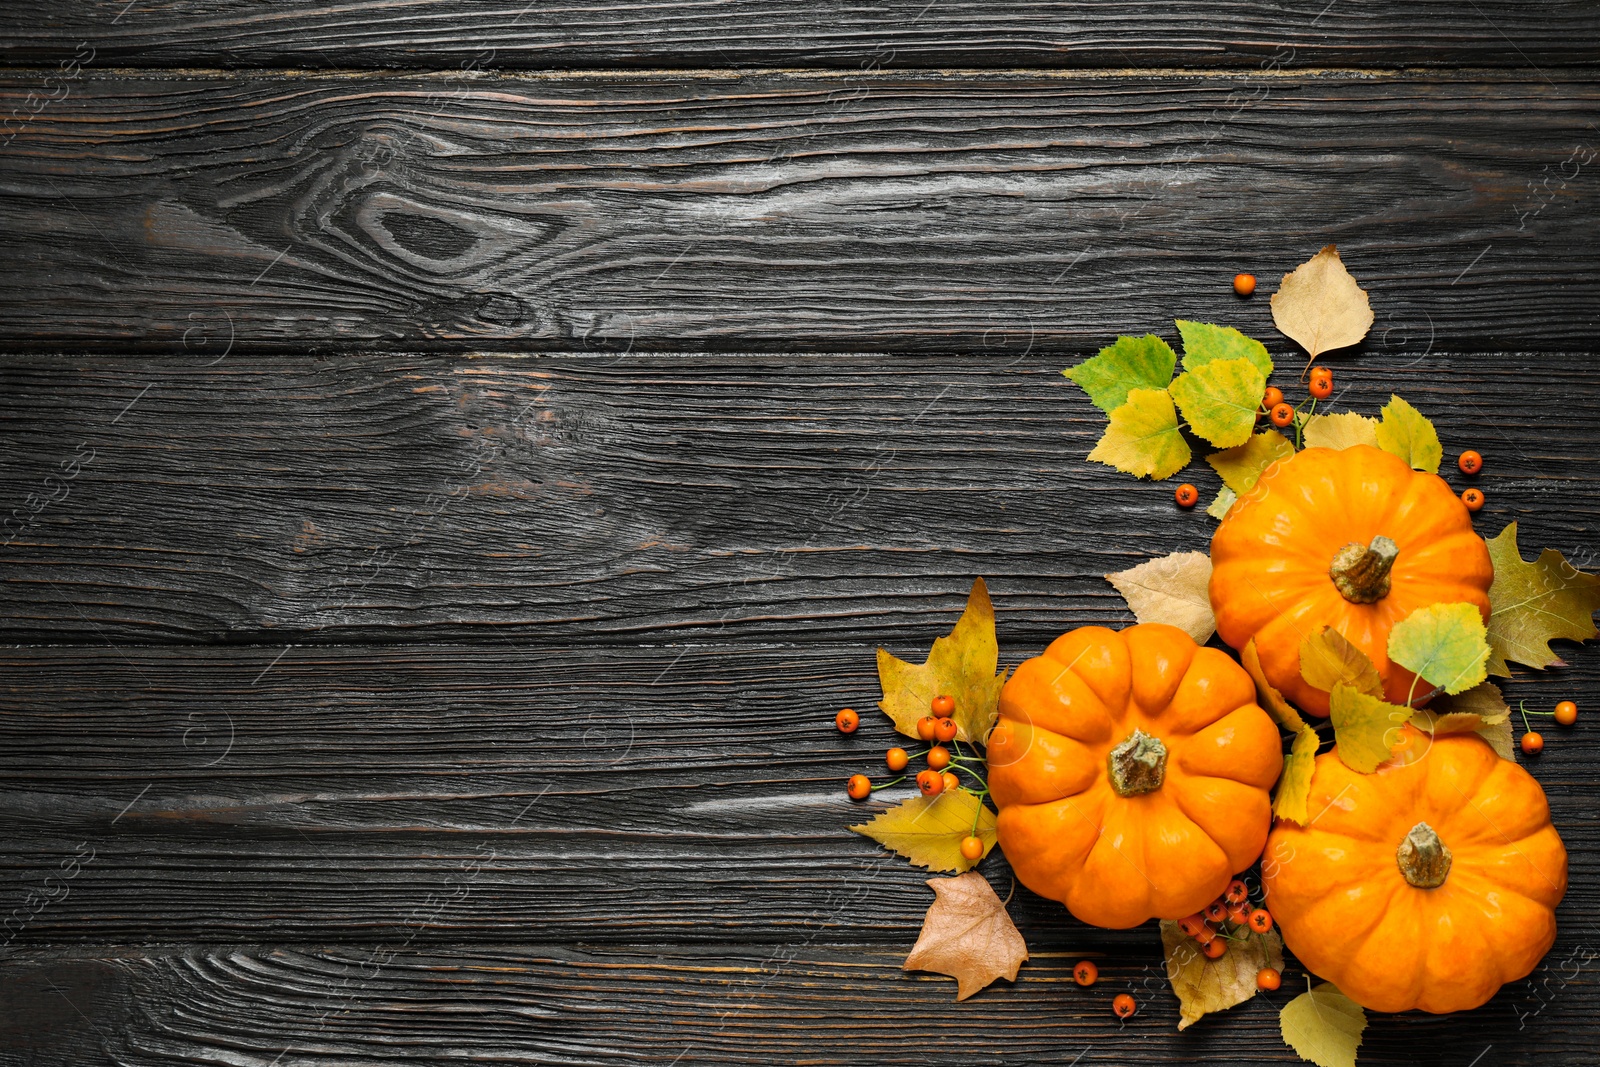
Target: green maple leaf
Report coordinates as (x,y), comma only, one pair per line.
(1323,1026)
(1365,729)
(1143,437)
(1241,467)
(1294,784)
(1130,363)
(1327,660)
(1204,343)
(1219,399)
(1445,644)
(1405,432)
(928,831)
(1204,985)
(963,664)
(1531,604)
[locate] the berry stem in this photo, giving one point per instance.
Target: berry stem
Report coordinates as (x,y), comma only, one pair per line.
(886,785)
(1522,706)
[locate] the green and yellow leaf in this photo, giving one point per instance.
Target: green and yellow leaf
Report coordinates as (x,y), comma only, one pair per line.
(928,830)
(1339,431)
(1130,363)
(963,664)
(1203,985)
(1405,432)
(1365,729)
(1143,438)
(1225,499)
(1241,467)
(1219,399)
(1173,589)
(1532,604)
(1327,660)
(1444,644)
(1281,710)
(1204,343)
(1323,1026)
(1294,784)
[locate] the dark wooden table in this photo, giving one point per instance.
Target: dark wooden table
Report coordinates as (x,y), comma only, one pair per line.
(465,453)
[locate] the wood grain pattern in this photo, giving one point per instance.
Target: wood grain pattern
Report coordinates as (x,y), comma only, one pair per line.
(859,211)
(1047,33)
(559,499)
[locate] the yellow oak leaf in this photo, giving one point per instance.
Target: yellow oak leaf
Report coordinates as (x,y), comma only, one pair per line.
(1365,729)
(1327,659)
(1531,604)
(1142,438)
(1409,435)
(928,830)
(963,664)
(1294,784)
(1339,431)
(1205,985)
(1241,467)
(968,935)
(1320,305)
(1323,1026)
(1173,589)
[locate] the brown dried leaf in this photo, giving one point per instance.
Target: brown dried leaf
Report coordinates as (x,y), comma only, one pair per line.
(1174,589)
(968,935)
(1203,985)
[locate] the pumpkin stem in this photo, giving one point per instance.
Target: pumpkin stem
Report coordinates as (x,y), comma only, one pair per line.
(1138,765)
(1423,859)
(1361,572)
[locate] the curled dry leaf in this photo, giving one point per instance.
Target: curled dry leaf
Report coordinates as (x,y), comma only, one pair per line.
(1281,710)
(963,664)
(1294,784)
(1320,305)
(968,935)
(928,830)
(1173,589)
(1204,985)
(1481,710)
(1532,604)
(1323,1026)
(1327,660)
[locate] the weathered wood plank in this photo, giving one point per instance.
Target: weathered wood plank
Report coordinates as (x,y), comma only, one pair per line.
(856,211)
(665,498)
(1049,33)
(435,793)
(750,1003)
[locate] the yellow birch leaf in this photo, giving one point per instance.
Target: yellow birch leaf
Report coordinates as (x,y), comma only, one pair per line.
(1173,589)
(1320,305)
(1323,1026)
(1225,500)
(928,830)
(1219,399)
(963,665)
(1365,729)
(1327,660)
(1142,438)
(1131,363)
(1339,431)
(1409,435)
(1281,710)
(1444,644)
(1203,343)
(1242,466)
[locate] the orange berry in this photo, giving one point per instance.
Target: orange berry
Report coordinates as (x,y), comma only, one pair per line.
(1244,284)
(1472,498)
(1214,948)
(944,706)
(938,757)
(930,782)
(1085,973)
(1216,911)
(1268,979)
(1321,385)
(1282,415)
(1236,893)
(1192,924)
(1532,743)
(972,848)
(1271,398)
(859,787)
(1261,920)
(847,721)
(1205,935)
(926,727)
(896,759)
(945,729)
(1470,462)
(1566,713)
(1124,1005)
(1186,495)
(1239,914)
(951,782)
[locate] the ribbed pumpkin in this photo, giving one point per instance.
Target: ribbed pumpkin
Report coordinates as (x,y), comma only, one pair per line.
(1132,771)
(1428,884)
(1353,539)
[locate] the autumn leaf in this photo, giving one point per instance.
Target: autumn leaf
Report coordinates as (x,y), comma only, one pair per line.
(1143,438)
(1444,644)
(1173,589)
(1203,985)
(1365,729)
(1280,709)
(928,830)
(1323,1026)
(1225,499)
(1219,399)
(1498,734)
(1481,710)
(1241,466)
(1320,305)
(1294,784)
(1130,363)
(1204,343)
(1339,431)
(1483,700)
(963,664)
(1327,660)
(968,935)
(1405,432)
(1532,604)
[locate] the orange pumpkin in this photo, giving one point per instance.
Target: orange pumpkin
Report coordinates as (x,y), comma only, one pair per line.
(1426,885)
(1353,539)
(1132,771)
